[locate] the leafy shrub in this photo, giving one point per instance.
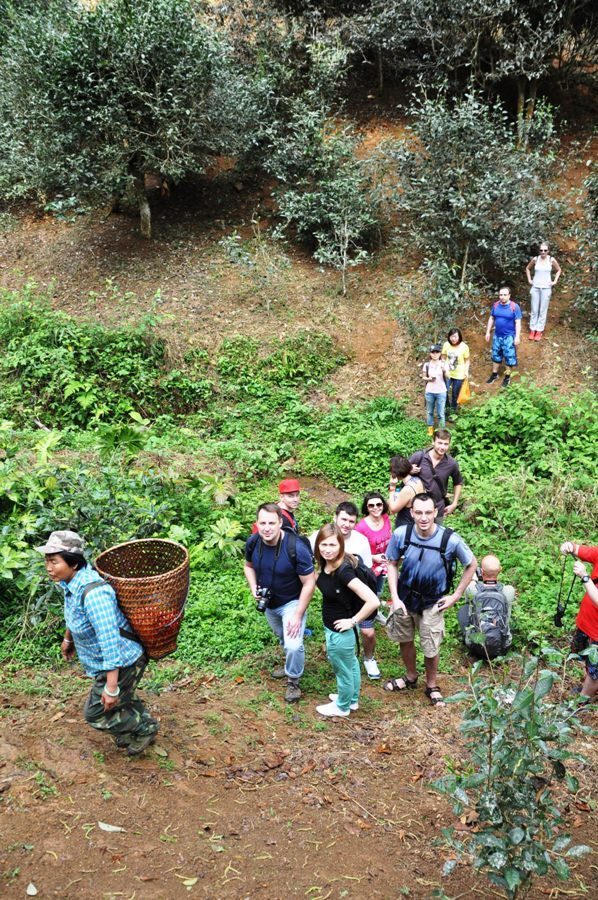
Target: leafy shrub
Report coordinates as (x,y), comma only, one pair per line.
(304,359)
(519,737)
(352,444)
(328,195)
(532,427)
(68,372)
(472,198)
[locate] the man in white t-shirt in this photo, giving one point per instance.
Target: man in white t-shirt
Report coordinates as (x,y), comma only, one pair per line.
(345,517)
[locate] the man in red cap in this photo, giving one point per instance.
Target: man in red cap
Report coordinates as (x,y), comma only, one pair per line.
(288,501)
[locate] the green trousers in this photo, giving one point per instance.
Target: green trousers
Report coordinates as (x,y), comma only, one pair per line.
(130,718)
(340,647)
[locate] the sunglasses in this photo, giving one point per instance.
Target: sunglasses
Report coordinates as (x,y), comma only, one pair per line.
(374,505)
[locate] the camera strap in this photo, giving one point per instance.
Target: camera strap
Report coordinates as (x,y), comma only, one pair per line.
(260,550)
(561,608)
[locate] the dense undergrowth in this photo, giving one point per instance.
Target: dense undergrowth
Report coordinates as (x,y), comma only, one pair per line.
(135,464)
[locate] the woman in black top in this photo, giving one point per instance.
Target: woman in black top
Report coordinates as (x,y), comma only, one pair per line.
(347,601)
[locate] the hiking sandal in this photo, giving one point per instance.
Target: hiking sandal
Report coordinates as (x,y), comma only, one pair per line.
(434,696)
(400,684)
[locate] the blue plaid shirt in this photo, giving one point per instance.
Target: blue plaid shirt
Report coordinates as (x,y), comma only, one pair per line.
(94,624)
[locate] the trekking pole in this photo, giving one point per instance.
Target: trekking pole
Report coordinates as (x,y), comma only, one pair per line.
(561,608)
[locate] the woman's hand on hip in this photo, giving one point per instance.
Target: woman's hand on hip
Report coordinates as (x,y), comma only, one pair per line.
(343,624)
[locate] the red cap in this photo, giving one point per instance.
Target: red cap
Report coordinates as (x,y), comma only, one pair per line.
(288,486)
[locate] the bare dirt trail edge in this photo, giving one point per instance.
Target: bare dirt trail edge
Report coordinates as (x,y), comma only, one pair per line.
(242,797)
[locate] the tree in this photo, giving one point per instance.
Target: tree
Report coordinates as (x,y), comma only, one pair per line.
(94,100)
(470,196)
(327,194)
(485,42)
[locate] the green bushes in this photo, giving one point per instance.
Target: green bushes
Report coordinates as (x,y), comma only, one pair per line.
(352,444)
(534,428)
(67,372)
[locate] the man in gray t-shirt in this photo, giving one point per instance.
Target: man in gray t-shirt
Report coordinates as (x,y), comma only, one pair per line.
(419,593)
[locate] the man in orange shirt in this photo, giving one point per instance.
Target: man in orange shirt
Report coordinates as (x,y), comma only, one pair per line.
(587,617)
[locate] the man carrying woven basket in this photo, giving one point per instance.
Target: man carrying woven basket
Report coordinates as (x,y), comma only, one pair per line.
(95,627)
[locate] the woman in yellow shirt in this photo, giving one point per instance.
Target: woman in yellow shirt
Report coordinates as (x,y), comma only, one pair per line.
(456,352)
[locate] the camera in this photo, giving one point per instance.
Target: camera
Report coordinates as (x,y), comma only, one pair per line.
(263,595)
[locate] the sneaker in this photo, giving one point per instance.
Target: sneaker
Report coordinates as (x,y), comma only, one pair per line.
(493,377)
(531,336)
(293,690)
(354,706)
(538,336)
(331,709)
(371,667)
(380,617)
(278,672)
(138,744)
(506,381)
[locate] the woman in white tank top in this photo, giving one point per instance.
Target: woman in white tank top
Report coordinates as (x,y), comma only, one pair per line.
(542,284)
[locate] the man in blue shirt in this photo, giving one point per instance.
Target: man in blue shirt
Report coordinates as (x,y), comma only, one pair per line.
(96,629)
(419,593)
(286,581)
(505,318)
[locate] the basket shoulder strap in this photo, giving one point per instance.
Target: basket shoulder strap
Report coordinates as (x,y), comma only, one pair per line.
(89,588)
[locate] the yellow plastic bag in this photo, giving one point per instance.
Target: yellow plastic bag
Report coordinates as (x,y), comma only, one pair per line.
(464,393)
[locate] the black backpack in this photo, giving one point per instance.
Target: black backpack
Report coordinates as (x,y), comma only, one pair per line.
(450,564)
(487,614)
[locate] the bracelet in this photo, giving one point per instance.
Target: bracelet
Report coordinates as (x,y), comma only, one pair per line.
(67,641)
(353,621)
(110,693)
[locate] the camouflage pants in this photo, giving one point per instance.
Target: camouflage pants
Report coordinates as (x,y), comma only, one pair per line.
(130,718)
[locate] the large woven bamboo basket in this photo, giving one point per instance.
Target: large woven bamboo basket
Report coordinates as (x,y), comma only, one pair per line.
(151,581)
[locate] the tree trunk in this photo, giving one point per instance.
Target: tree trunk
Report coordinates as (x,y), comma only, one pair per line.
(145,215)
(520,110)
(464,266)
(380,72)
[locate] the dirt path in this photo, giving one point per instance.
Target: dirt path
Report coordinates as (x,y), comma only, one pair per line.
(242,797)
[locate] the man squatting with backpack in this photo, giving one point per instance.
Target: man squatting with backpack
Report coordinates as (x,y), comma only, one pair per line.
(422,591)
(488,611)
(280,573)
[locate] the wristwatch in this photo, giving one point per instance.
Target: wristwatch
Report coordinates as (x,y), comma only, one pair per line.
(585,578)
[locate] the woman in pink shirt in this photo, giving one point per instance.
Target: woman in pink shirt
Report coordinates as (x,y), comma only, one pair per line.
(376,527)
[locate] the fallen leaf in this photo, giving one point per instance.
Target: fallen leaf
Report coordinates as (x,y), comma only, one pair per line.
(147,877)
(384,748)
(308,768)
(104,826)
(58,715)
(31,889)
(159,751)
(239,679)
(189,882)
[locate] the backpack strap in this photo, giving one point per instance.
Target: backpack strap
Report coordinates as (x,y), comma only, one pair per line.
(292,547)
